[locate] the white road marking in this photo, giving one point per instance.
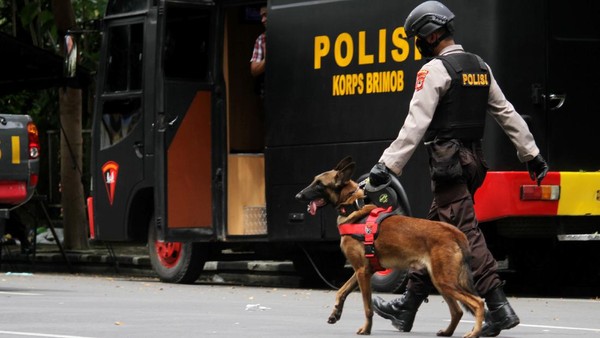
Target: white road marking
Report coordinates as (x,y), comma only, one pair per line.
(11,293)
(31,334)
(561,327)
(547,327)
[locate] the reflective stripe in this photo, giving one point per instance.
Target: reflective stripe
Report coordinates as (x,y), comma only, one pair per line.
(16,149)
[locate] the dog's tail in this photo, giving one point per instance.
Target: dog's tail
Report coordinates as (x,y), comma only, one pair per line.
(465,276)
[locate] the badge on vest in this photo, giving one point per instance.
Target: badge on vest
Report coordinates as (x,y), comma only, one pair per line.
(475,80)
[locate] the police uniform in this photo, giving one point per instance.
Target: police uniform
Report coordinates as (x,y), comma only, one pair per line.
(431,118)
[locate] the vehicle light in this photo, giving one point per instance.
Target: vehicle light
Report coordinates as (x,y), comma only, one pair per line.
(90,208)
(540,192)
(33,180)
(34,140)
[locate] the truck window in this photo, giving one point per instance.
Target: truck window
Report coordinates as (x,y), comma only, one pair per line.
(187,37)
(124,61)
(122,112)
(119,119)
(118,7)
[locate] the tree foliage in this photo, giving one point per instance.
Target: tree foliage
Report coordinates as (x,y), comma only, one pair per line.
(32,21)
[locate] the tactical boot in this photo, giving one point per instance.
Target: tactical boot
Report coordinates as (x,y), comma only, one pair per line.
(500,316)
(401,311)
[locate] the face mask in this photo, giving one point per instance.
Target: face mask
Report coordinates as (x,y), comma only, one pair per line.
(425,48)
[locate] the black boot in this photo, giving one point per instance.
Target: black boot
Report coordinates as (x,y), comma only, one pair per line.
(401,311)
(500,316)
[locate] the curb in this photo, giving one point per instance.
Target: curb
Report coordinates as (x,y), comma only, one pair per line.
(134,261)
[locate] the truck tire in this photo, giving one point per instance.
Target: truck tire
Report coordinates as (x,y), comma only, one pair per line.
(175,262)
(389,281)
(392,280)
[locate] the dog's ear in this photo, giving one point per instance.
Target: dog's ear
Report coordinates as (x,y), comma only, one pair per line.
(345,174)
(343,163)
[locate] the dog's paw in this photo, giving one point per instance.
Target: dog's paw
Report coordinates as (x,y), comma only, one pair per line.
(363,331)
(332,319)
(444,333)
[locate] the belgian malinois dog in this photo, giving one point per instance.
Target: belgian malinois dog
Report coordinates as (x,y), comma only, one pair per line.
(402,242)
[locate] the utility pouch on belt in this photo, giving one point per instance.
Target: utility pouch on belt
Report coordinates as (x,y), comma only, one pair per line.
(444,160)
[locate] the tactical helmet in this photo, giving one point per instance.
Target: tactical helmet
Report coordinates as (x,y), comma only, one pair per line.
(427,18)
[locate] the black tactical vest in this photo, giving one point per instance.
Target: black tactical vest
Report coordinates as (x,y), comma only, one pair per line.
(461,112)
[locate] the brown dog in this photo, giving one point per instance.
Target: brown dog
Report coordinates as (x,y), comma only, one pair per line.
(402,242)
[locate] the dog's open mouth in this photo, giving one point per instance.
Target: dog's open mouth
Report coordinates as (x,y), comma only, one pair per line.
(315,204)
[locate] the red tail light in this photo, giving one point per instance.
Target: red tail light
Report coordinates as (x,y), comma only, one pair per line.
(540,192)
(34,140)
(33,180)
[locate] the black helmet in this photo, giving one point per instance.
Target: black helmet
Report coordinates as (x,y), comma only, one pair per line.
(427,18)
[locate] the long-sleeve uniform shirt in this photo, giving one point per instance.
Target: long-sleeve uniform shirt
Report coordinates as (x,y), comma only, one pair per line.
(433,82)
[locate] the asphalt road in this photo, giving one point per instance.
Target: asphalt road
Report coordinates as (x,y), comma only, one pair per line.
(77,306)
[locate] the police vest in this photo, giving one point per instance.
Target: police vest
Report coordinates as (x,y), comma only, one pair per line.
(461,111)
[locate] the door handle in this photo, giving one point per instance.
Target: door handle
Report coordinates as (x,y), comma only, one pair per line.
(173,121)
(553,98)
(138,147)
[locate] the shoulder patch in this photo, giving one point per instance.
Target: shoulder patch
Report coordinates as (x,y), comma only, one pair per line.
(421,79)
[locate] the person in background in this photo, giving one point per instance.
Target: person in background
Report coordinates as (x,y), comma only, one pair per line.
(259,55)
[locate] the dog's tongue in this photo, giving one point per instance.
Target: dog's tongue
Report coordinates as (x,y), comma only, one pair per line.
(314,205)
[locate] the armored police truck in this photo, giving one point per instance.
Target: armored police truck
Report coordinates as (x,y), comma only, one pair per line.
(188,157)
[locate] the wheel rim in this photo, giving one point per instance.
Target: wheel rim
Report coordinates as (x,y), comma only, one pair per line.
(168,253)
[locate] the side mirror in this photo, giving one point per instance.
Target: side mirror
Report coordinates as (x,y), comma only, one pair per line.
(70,66)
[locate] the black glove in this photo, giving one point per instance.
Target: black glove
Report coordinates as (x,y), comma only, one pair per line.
(380,174)
(538,168)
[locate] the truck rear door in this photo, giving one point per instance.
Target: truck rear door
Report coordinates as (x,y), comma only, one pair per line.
(573,85)
(185,202)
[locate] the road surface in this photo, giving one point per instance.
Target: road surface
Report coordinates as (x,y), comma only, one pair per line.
(77,306)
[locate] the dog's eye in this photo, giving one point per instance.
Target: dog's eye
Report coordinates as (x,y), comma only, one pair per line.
(320,186)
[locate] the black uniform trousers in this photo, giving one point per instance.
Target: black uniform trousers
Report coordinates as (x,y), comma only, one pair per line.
(453,203)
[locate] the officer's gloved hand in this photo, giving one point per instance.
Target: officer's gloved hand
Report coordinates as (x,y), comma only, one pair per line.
(538,168)
(380,174)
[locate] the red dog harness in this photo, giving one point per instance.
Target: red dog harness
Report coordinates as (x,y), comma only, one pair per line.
(367,231)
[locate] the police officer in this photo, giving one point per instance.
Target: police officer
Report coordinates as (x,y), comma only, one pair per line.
(453,93)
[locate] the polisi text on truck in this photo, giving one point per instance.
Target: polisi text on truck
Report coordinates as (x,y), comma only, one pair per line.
(343,48)
(343,52)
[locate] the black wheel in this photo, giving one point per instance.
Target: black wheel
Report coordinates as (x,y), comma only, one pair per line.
(390,281)
(175,262)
